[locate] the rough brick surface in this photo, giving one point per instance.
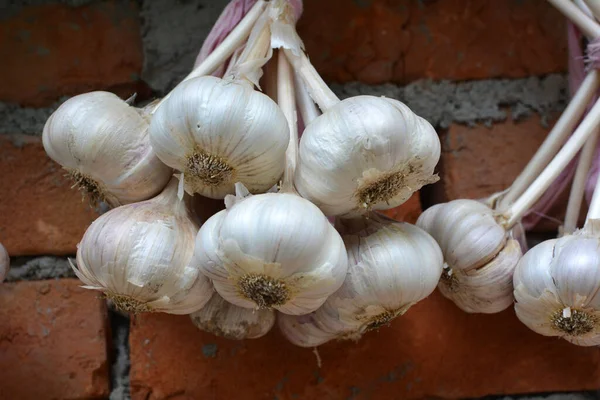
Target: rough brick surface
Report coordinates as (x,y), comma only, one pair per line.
(54,49)
(39,212)
(435,350)
(479,161)
(52,341)
(404,40)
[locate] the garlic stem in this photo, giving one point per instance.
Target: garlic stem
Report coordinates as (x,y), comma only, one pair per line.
(578,186)
(316,86)
(555,139)
(306,105)
(256,49)
(234,40)
(587,25)
(227,47)
(588,126)
(593,6)
(594,209)
(286,100)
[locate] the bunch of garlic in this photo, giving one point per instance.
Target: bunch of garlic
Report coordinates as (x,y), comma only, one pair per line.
(103,144)
(557,286)
(273,250)
(392,266)
(4,263)
(222,318)
(140,256)
(479,255)
(221,131)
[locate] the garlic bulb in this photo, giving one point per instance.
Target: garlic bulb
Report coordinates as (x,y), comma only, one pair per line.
(103,144)
(391,266)
(218,132)
(4,263)
(479,255)
(274,250)
(365,153)
(222,318)
(140,256)
(557,286)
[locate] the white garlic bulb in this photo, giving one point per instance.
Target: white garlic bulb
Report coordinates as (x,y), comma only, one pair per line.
(219,132)
(557,287)
(140,256)
(273,250)
(222,318)
(103,144)
(479,255)
(4,263)
(363,153)
(391,266)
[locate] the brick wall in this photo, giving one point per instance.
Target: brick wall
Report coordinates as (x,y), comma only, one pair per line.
(489,74)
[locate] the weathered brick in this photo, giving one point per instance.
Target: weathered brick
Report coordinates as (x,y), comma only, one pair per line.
(52,341)
(434,350)
(55,49)
(39,212)
(479,161)
(405,40)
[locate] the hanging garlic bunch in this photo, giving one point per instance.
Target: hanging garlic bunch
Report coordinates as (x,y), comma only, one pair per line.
(103,144)
(222,318)
(140,256)
(221,131)
(477,239)
(363,153)
(273,250)
(557,283)
(4,263)
(479,255)
(391,266)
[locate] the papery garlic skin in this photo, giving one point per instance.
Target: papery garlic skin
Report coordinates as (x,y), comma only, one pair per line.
(480,256)
(4,263)
(274,250)
(219,132)
(304,330)
(140,256)
(365,153)
(391,266)
(557,288)
(103,143)
(222,318)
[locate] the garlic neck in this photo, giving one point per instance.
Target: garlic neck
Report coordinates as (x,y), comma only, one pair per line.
(248,67)
(286,99)
(227,47)
(173,197)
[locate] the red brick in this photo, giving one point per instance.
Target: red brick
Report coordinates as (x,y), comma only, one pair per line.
(479,161)
(39,212)
(53,50)
(408,212)
(52,341)
(435,350)
(405,40)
